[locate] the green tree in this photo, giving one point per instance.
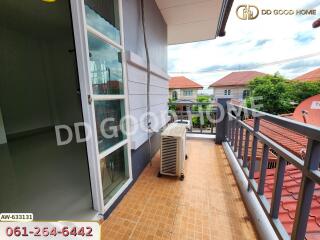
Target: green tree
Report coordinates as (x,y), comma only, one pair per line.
(300,91)
(201,107)
(270,92)
(278,95)
(172,106)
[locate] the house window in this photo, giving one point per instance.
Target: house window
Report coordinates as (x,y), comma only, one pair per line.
(245,94)
(174,95)
(227,92)
(187,92)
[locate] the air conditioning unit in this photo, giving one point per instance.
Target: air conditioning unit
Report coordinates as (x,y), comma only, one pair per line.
(173,150)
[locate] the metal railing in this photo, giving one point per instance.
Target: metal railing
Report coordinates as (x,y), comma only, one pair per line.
(238,130)
(200,115)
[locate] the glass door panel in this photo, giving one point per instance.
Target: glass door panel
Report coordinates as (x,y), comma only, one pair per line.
(105,67)
(110,129)
(103,15)
(107,91)
(114,172)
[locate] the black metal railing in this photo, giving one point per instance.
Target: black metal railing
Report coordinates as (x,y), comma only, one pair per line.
(201,116)
(243,140)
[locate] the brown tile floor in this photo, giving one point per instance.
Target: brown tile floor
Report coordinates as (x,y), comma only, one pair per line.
(206,205)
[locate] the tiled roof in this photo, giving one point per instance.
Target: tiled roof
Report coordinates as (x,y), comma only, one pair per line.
(289,199)
(182,82)
(237,79)
(292,141)
(310,76)
(295,143)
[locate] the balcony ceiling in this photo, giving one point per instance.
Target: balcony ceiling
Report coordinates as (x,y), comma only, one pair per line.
(190,20)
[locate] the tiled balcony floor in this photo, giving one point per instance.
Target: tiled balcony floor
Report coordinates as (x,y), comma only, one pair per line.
(206,205)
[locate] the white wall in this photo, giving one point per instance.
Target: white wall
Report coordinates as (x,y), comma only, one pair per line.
(37,87)
(137,90)
(180,94)
(236,92)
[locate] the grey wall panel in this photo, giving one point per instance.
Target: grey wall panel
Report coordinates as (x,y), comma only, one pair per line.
(139,75)
(140,101)
(140,88)
(137,88)
(156,29)
(157,109)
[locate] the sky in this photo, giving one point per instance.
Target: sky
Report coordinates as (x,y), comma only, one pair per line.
(248,44)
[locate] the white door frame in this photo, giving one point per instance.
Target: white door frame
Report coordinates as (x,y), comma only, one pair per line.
(82,51)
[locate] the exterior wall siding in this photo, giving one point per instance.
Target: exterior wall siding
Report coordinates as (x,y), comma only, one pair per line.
(156,29)
(137,89)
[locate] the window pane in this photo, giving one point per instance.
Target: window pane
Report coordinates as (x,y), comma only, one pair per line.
(108,116)
(114,172)
(103,15)
(105,67)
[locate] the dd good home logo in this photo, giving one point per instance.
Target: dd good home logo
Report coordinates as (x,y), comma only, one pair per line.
(247,12)
(251,12)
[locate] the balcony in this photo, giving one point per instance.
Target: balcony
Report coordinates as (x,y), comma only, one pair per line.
(206,205)
(269,164)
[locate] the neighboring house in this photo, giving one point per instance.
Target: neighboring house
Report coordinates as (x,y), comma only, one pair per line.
(234,85)
(85,61)
(182,88)
(309,76)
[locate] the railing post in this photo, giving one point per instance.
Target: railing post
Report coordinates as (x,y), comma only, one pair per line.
(231,132)
(306,191)
(254,148)
(240,142)
(277,189)
(263,171)
(222,125)
(189,114)
(246,149)
(236,138)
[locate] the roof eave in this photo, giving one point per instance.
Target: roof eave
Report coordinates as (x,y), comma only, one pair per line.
(231,85)
(186,88)
(223,18)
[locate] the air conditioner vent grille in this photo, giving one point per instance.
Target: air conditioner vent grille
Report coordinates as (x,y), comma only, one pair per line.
(169,155)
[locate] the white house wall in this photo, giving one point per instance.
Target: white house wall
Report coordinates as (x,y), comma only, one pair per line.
(137,90)
(236,92)
(180,95)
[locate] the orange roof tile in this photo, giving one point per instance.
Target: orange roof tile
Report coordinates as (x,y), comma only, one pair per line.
(290,140)
(295,143)
(237,79)
(289,199)
(310,76)
(182,82)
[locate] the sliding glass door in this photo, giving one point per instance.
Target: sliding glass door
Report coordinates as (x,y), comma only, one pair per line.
(101,42)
